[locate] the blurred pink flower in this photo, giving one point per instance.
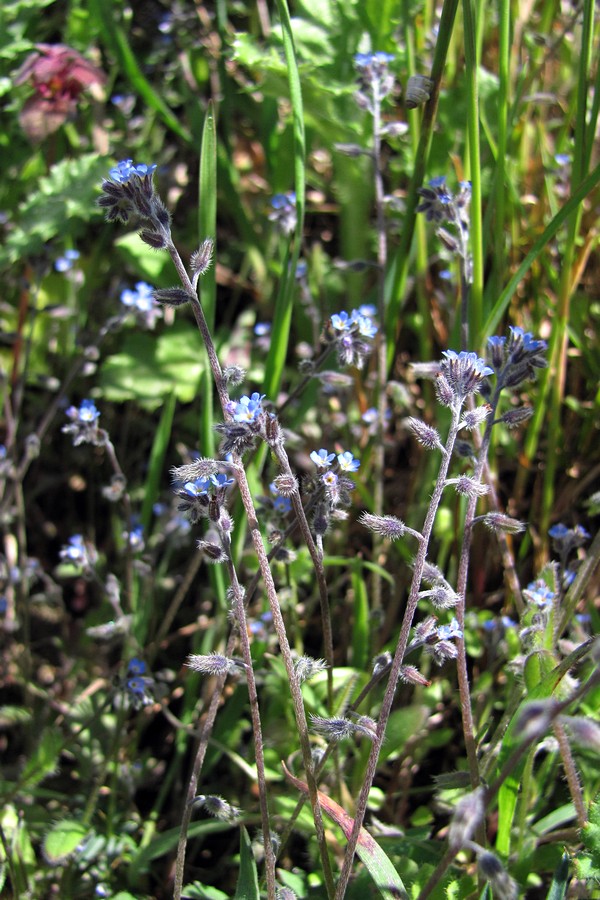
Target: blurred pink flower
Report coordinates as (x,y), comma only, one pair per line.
(58,75)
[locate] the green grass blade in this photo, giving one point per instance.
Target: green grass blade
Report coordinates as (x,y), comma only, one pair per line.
(207,228)
(402,257)
(560,882)
(549,232)
(475,313)
(157,461)
(247,886)
(283,308)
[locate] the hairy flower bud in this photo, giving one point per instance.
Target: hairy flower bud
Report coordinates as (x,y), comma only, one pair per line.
(214,664)
(468,816)
(174,296)
(425,434)
(212,552)
(201,258)
(387,526)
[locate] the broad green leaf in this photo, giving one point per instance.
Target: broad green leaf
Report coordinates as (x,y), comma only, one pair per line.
(150,368)
(62,840)
(67,194)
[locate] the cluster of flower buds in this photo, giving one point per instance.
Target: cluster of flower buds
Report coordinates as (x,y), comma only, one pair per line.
(81,554)
(339,728)
(436,639)
(442,207)
(137,688)
(202,492)
(333,484)
(248,420)
(283,212)
(83,425)
(376,80)
(516,358)
(352,335)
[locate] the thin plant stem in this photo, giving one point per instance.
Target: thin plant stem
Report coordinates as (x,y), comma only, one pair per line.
(271,591)
(388,699)
(571,774)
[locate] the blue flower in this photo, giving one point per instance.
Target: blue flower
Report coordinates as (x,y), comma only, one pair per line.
(366,327)
(197,488)
(280,504)
(446,632)
(142,302)
(378,58)
(80,553)
(135,538)
(261,329)
(322,459)
(141,298)
(330,480)
(283,201)
(127,169)
(221,480)
(248,409)
(86,413)
(464,372)
(67,261)
(347,462)
(342,321)
(538,593)
(136,666)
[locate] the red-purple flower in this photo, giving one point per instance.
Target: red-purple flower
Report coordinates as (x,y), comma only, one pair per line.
(58,75)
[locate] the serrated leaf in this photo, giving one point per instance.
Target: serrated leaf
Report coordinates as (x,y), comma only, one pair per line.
(62,840)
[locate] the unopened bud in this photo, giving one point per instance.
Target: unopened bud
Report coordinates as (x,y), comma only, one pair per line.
(467,818)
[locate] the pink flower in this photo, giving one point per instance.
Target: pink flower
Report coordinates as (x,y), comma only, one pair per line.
(58,75)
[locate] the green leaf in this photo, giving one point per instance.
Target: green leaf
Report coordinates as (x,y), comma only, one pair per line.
(247,886)
(62,840)
(560,882)
(383,873)
(44,759)
(150,368)
(67,193)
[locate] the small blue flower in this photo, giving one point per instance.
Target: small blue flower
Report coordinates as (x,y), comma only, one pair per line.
(67,261)
(248,409)
(366,327)
(330,480)
(378,58)
(127,169)
(280,504)
(342,321)
(447,632)
(558,531)
(85,414)
(262,329)
(135,538)
(322,459)
(136,666)
(220,480)
(347,462)
(283,201)
(538,593)
(197,488)
(80,553)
